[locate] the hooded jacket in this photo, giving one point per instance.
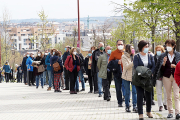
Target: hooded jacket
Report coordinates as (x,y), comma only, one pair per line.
(29,62)
(7,68)
(47,61)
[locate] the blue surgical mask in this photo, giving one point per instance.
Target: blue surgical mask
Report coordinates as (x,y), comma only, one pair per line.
(65,49)
(158,53)
(89,54)
(53,53)
(109,52)
(92,51)
(146,50)
(28,55)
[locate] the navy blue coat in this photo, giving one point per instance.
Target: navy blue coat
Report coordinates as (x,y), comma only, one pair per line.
(138,62)
(114,67)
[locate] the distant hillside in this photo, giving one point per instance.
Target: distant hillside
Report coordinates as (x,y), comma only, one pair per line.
(99,19)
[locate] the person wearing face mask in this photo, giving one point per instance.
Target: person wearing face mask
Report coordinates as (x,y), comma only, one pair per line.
(65,55)
(29,62)
(116,56)
(72,64)
(128,71)
(24,68)
(93,49)
(159,83)
(146,60)
(45,72)
(87,66)
(94,69)
(47,63)
(105,73)
(39,75)
(165,69)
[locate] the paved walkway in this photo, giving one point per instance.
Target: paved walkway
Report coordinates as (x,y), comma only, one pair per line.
(20,102)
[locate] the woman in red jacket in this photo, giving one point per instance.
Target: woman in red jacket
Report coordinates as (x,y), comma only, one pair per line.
(177,74)
(73,66)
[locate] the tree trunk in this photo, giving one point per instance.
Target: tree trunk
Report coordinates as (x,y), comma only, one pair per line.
(177,42)
(153,34)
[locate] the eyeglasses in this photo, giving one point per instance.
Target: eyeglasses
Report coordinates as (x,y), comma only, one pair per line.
(120,44)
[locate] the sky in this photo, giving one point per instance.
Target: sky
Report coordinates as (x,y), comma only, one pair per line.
(57,9)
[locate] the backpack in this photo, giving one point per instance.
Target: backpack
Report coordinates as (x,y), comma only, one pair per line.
(56,66)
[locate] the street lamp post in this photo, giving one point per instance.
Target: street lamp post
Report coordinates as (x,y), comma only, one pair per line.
(78,42)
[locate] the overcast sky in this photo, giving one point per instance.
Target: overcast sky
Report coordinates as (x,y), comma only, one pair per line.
(26,9)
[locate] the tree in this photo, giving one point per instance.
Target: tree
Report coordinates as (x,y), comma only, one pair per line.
(75,31)
(149,18)
(170,14)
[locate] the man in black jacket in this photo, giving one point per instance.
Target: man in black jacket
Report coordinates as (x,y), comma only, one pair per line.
(94,69)
(66,53)
(24,68)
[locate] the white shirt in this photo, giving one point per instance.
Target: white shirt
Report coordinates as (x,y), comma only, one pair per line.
(171,58)
(144,59)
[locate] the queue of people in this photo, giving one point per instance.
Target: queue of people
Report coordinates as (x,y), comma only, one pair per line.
(142,71)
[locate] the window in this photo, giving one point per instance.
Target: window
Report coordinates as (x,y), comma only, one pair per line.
(14,34)
(29,43)
(22,34)
(18,32)
(25,43)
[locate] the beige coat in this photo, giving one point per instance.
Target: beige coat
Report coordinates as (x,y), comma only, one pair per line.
(127,67)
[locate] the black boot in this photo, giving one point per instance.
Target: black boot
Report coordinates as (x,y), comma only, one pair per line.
(127,109)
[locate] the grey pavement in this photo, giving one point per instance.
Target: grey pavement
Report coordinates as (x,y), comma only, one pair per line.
(20,102)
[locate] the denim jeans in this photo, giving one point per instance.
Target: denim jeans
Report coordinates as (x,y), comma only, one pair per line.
(80,74)
(44,77)
(123,89)
(99,84)
(77,84)
(118,84)
(49,77)
(38,77)
(127,95)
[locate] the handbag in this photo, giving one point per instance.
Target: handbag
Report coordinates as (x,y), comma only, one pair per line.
(56,66)
(41,68)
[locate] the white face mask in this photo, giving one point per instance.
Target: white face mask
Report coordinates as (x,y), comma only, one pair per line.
(46,53)
(39,54)
(74,53)
(32,55)
(120,47)
(169,49)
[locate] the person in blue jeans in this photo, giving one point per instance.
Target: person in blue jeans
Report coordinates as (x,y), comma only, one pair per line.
(47,62)
(128,71)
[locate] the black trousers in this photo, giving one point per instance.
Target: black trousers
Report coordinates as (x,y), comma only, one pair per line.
(73,78)
(90,80)
(66,78)
(95,80)
(140,94)
(31,77)
(106,85)
(7,77)
(25,76)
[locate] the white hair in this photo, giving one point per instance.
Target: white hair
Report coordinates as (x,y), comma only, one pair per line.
(101,43)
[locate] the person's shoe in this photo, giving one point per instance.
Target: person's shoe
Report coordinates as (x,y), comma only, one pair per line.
(135,109)
(165,107)
(144,103)
(149,114)
(65,89)
(49,88)
(127,109)
(108,99)
(36,87)
(100,95)
(96,92)
(33,84)
(77,90)
(90,92)
(170,116)
(71,92)
(29,84)
(152,103)
(42,87)
(59,91)
(55,90)
(177,116)
(83,90)
(160,108)
(141,117)
(105,98)
(120,105)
